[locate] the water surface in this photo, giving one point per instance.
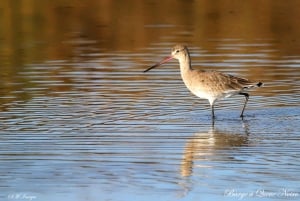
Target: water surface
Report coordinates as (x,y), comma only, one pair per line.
(80,120)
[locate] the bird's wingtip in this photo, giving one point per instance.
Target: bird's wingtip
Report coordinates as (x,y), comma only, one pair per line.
(260,84)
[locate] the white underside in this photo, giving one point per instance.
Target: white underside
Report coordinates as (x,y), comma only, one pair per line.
(213,98)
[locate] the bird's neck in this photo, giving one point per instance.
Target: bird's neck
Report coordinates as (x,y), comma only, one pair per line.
(185,63)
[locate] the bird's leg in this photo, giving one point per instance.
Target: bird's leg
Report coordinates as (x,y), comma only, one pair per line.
(212,111)
(246,100)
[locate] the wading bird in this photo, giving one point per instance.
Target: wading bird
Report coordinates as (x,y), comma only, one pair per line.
(210,85)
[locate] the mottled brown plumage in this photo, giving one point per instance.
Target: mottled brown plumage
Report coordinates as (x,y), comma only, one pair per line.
(210,85)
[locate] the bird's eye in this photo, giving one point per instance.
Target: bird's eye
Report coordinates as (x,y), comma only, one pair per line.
(177,51)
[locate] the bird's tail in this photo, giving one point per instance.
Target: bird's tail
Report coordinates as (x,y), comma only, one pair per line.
(253,85)
(260,84)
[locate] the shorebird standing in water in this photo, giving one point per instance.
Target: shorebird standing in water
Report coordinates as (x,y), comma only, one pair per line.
(210,85)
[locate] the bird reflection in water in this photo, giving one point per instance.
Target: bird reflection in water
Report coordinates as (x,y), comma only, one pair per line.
(207,146)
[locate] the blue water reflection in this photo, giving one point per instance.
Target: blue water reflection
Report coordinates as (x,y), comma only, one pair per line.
(81,121)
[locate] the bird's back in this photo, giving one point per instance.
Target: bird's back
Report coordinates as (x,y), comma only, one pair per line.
(215,85)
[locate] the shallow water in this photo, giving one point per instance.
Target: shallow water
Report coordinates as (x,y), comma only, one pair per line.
(93,126)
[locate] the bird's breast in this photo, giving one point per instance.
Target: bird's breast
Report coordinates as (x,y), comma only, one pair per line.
(197,86)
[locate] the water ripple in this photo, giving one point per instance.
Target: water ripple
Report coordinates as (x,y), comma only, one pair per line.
(104,124)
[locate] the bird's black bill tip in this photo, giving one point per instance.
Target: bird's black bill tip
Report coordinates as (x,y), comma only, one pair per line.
(150,68)
(160,63)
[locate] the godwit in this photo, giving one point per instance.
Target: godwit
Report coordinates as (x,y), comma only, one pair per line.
(210,85)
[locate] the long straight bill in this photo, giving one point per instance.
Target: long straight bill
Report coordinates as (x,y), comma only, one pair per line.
(159,63)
